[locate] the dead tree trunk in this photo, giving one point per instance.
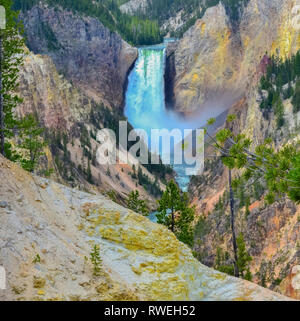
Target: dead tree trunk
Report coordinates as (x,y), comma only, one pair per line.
(173,220)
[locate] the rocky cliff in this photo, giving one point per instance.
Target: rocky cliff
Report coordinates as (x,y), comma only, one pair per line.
(50,95)
(133,6)
(215,64)
(271,232)
(217,59)
(48,232)
(95,59)
(173,16)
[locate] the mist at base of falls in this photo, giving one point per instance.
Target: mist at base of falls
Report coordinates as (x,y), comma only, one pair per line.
(145,101)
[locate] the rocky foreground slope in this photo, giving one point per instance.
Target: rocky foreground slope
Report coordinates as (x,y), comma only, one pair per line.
(46,234)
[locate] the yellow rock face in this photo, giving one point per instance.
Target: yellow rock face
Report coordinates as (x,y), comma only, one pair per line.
(215,64)
(287,40)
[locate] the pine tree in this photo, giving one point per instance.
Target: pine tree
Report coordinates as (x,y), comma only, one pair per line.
(89,173)
(232,223)
(11,58)
(244,258)
(31,141)
(279,169)
(184,227)
(96,259)
(136,204)
(169,204)
(296,98)
(174,202)
(220,262)
(279,112)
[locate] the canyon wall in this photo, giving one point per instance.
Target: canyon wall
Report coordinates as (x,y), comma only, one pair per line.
(218,65)
(271,232)
(95,59)
(72,119)
(133,6)
(217,59)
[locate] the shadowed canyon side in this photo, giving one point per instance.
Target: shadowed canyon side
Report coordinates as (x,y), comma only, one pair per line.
(91,56)
(59,226)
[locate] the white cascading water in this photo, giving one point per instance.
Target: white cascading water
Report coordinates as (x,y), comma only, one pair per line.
(145,99)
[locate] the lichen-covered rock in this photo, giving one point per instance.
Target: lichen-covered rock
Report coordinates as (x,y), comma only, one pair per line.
(46,243)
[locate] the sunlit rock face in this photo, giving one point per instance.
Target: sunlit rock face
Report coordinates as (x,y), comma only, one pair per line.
(204,59)
(91,56)
(215,63)
(49,95)
(47,234)
(133,6)
(271,231)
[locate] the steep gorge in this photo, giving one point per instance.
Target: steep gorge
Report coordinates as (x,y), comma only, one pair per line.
(74,81)
(95,59)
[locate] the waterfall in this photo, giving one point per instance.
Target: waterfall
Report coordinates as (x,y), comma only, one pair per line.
(145,99)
